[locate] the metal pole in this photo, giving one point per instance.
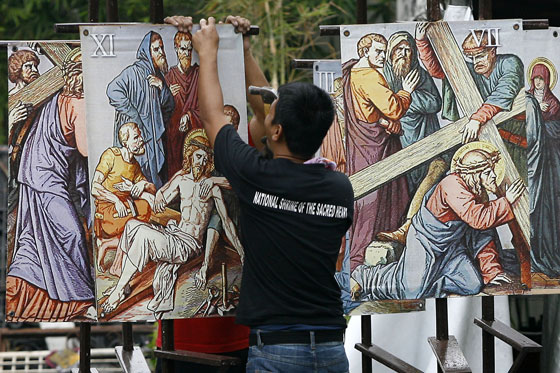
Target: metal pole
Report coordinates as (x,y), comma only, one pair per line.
(156,11)
(366,340)
(434,13)
(167,344)
(85,347)
(488,349)
(128,342)
(442,324)
(93,11)
(485,9)
(112,9)
(361,11)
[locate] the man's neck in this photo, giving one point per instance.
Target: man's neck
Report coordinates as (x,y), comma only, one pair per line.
(362,62)
(487,74)
(126,154)
(292,158)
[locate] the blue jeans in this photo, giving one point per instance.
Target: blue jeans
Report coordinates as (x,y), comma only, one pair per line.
(298,358)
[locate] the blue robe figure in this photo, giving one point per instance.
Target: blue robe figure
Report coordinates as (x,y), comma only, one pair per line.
(50,250)
(136,100)
(543,159)
(420,119)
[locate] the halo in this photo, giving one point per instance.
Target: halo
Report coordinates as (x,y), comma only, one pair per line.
(74,55)
(499,167)
(195,133)
(549,65)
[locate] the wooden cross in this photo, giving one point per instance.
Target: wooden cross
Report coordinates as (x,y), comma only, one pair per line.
(39,90)
(469,99)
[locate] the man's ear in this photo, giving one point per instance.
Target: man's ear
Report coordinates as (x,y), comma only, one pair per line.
(277,132)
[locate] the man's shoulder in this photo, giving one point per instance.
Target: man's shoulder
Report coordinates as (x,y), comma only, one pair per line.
(347,66)
(453,182)
(131,69)
(115,150)
(510,61)
(368,74)
(174,70)
(337,184)
(342,180)
(111,153)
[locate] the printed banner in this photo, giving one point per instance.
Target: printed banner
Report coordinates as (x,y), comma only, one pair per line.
(50,275)
(437,145)
(165,220)
(328,75)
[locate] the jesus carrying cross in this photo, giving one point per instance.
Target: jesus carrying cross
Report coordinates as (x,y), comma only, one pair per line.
(453,235)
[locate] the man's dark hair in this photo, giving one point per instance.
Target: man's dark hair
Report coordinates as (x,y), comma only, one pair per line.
(305,112)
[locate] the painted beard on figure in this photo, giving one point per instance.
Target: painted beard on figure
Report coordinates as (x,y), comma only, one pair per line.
(185,62)
(138,150)
(160,63)
(401,66)
(198,172)
(491,187)
(266,152)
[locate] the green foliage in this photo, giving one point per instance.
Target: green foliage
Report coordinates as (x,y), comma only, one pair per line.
(382,11)
(288,29)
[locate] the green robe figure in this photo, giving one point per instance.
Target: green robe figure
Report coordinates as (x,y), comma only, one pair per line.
(420,120)
(499,78)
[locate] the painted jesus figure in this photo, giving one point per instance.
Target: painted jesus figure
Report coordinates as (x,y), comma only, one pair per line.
(452,245)
(176,243)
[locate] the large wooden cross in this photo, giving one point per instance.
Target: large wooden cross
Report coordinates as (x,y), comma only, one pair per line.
(39,90)
(469,99)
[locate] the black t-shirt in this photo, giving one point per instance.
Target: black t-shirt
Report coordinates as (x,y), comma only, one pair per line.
(293,217)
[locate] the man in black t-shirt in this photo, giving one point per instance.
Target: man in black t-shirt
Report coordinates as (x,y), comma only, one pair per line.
(293,215)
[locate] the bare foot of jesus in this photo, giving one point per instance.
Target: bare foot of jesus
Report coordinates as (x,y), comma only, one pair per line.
(115,298)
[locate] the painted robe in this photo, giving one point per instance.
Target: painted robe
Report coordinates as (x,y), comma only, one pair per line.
(333,146)
(451,232)
(367,98)
(186,102)
(50,252)
(544,177)
(420,120)
(135,100)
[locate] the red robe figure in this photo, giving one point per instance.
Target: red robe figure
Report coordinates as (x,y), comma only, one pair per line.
(183,82)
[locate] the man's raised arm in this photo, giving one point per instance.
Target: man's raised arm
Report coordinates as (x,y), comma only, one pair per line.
(210,98)
(253,77)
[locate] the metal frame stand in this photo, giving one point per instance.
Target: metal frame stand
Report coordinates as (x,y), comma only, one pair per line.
(445,347)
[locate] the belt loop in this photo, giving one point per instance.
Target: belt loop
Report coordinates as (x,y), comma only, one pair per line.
(259,340)
(312,337)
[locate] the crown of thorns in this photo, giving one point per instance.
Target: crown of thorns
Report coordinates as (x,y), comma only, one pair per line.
(200,145)
(479,166)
